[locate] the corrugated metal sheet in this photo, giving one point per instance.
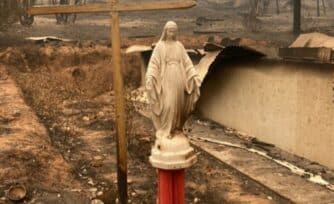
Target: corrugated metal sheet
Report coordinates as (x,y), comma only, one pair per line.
(318,55)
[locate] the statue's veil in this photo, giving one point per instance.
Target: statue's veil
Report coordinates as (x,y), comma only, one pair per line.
(169,24)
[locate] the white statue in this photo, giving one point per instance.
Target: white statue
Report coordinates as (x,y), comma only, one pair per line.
(172,84)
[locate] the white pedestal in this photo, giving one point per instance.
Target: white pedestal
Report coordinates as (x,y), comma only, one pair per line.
(174,153)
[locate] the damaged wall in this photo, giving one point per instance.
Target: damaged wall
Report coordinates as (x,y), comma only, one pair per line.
(286,104)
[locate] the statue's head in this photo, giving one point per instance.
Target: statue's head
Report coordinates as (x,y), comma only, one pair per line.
(169,32)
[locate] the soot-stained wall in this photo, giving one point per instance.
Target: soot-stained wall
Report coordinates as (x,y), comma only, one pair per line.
(286,104)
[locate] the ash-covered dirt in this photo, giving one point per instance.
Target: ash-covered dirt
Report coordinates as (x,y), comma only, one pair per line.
(69,88)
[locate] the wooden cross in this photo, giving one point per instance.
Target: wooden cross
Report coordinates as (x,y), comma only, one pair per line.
(114,7)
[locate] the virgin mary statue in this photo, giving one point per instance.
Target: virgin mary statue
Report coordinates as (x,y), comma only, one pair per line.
(172,84)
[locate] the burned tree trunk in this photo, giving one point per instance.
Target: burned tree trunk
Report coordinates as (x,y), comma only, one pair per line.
(296,16)
(324,6)
(251,21)
(277,7)
(9,11)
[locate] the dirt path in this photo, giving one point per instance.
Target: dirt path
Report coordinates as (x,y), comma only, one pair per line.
(27,155)
(286,174)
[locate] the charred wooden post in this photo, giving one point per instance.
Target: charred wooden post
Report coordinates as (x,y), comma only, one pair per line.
(120,105)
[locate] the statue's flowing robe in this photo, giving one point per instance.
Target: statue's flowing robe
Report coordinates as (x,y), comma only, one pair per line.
(175,87)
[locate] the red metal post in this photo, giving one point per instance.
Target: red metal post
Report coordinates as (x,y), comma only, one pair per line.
(171,186)
(178,187)
(165,186)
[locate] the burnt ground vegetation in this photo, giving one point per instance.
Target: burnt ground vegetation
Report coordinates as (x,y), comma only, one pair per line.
(69,87)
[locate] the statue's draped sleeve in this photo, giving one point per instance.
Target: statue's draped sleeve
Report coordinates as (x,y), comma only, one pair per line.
(153,74)
(193,82)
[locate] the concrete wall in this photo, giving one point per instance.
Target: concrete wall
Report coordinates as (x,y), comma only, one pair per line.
(286,104)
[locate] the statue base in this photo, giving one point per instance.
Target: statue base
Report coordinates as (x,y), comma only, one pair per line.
(172,153)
